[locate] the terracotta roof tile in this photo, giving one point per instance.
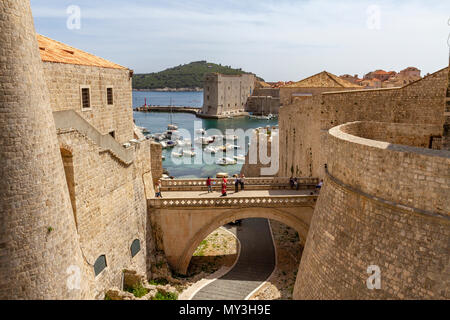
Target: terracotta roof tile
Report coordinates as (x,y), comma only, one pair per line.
(54,51)
(322,80)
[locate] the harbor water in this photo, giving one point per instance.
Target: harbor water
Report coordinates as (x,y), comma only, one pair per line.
(157,122)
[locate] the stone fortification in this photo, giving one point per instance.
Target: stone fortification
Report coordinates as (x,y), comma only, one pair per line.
(226,95)
(382,204)
(109,204)
(38,238)
(304,125)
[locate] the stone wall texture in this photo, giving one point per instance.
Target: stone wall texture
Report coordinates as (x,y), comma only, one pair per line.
(263,105)
(39,248)
(225,95)
(64,82)
(382,204)
(305,123)
(109,203)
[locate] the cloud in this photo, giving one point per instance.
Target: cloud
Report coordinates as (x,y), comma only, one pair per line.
(279,40)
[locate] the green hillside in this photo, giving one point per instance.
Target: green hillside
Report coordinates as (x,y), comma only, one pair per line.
(184,76)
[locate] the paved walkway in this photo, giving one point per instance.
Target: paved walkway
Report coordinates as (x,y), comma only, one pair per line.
(255,264)
(232,194)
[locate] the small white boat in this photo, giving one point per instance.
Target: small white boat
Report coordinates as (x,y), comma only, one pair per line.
(239,158)
(226,162)
(171,144)
(160,136)
(218,137)
(163,158)
(229,146)
(172,127)
(163,144)
(204,141)
(211,149)
(181,143)
(188,153)
(201,131)
(176,154)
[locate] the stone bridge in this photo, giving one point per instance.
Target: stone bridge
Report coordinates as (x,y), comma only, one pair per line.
(187,213)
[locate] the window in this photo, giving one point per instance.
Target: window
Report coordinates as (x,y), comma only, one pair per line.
(113,134)
(109,96)
(207,97)
(135,247)
(100,265)
(85,98)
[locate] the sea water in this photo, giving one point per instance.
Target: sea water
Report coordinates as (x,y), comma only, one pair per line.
(157,122)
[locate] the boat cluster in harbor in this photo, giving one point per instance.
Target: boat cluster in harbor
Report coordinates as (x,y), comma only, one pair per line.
(182,147)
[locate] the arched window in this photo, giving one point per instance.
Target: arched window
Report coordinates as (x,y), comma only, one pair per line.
(99,265)
(135,247)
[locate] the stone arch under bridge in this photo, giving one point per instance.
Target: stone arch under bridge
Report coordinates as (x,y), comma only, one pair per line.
(179,230)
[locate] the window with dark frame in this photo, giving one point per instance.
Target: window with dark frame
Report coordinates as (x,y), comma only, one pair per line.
(99,265)
(110,96)
(85,98)
(135,247)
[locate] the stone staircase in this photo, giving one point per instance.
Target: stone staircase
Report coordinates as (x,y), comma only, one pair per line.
(70,120)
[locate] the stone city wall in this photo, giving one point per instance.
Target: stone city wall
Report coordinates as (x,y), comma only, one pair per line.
(38,238)
(381,204)
(156,161)
(109,203)
(287,98)
(304,125)
(65,81)
(263,105)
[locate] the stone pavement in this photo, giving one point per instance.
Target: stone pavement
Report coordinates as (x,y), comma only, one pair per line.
(255,264)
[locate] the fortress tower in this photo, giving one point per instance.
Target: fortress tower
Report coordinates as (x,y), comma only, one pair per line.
(40,256)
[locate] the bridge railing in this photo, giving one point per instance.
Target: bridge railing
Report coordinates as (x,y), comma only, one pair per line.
(190,184)
(267,201)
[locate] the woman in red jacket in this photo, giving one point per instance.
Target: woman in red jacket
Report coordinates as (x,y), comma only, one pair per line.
(224,187)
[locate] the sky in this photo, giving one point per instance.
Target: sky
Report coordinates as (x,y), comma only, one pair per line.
(279,40)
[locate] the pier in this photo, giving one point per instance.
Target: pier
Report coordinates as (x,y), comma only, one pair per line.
(177,109)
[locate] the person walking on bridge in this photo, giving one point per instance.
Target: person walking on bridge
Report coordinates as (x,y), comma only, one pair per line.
(208,184)
(237,181)
(224,187)
(158,189)
(242,181)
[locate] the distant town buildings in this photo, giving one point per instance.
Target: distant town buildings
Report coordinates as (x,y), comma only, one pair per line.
(385,79)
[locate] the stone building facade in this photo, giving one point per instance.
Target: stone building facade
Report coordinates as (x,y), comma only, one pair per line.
(226,95)
(75,178)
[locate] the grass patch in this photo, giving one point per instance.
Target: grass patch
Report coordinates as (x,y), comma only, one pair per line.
(137,290)
(200,252)
(165,296)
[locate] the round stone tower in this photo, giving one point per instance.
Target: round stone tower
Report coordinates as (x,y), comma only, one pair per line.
(40,257)
(381,226)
